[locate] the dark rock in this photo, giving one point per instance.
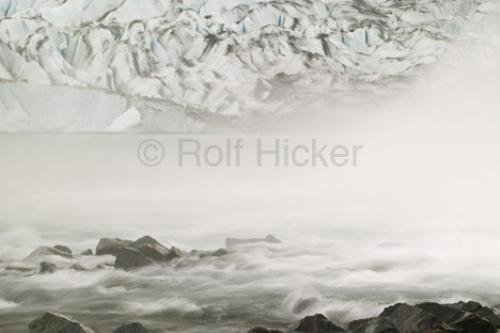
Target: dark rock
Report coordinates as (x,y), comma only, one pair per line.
(372,325)
(203,254)
(410,319)
(219,253)
(230,242)
(479,310)
(87,252)
(175,253)
(111,246)
(152,249)
(47,267)
(131,328)
(47,251)
(21,269)
(472,323)
(455,315)
(263,330)
(63,248)
(55,323)
(78,267)
(129,259)
(317,324)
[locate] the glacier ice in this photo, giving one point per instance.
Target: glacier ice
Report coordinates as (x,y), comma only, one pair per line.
(214,58)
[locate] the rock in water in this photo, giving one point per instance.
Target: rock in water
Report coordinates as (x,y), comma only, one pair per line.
(56,323)
(47,267)
(87,252)
(129,259)
(111,246)
(152,249)
(230,242)
(63,248)
(131,328)
(263,330)
(78,268)
(317,324)
(47,251)
(466,322)
(175,253)
(479,310)
(409,319)
(372,325)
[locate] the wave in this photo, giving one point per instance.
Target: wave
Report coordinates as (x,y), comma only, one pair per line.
(7,305)
(174,305)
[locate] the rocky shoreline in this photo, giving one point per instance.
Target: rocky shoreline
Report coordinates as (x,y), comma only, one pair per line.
(129,255)
(461,317)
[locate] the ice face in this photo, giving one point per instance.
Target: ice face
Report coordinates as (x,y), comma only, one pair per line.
(224,58)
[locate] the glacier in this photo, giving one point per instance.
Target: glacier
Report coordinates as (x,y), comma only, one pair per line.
(183,64)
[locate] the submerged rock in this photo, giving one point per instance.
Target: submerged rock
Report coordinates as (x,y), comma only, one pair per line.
(56,323)
(111,246)
(230,242)
(263,330)
(219,253)
(130,259)
(317,324)
(21,269)
(204,254)
(131,328)
(47,251)
(87,252)
(78,268)
(63,248)
(47,267)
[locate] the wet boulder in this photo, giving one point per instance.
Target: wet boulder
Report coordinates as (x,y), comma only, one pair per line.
(131,328)
(152,249)
(111,246)
(22,268)
(78,268)
(47,251)
(87,252)
(479,310)
(56,323)
(372,325)
(219,253)
(457,316)
(47,267)
(231,242)
(409,319)
(63,248)
(129,259)
(204,254)
(175,253)
(263,330)
(316,324)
